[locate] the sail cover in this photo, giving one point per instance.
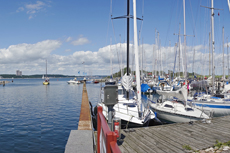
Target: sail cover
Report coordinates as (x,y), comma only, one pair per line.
(127,81)
(180,94)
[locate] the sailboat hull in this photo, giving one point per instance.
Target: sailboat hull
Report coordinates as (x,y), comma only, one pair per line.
(174,118)
(129,116)
(217,109)
(46,83)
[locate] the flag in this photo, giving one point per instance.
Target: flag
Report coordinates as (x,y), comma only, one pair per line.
(78,72)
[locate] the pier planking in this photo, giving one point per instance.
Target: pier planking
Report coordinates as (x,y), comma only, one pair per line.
(172,137)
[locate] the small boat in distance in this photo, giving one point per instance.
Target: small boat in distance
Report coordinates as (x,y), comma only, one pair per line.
(47,81)
(96,81)
(74,81)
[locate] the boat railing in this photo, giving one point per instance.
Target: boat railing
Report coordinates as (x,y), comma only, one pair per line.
(106,139)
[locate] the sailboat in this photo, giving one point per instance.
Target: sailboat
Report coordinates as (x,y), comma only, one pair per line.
(172,107)
(129,107)
(47,81)
(217,105)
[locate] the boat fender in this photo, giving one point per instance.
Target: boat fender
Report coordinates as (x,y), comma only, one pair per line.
(94,118)
(91,108)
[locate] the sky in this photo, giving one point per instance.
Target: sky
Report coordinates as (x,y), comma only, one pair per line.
(80,36)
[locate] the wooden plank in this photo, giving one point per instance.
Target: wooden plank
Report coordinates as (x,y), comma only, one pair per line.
(177,138)
(161,143)
(208,134)
(172,137)
(137,139)
(123,149)
(194,130)
(211,132)
(140,132)
(133,144)
(128,148)
(143,138)
(220,135)
(85,115)
(192,138)
(222,125)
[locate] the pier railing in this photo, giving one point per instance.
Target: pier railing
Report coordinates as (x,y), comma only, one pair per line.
(106,139)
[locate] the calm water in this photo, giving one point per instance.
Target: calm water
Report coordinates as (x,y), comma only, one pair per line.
(39,118)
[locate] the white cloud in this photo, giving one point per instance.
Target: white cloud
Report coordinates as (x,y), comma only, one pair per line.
(80,41)
(30,58)
(28,52)
(32,9)
(20,9)
(68,39)
(36,6)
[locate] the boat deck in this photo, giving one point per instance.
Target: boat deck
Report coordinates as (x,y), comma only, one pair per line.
(174,137)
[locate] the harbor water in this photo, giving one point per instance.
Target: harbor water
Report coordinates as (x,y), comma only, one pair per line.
(38,118)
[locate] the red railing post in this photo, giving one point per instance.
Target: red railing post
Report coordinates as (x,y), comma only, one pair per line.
(109,138)
(99,110)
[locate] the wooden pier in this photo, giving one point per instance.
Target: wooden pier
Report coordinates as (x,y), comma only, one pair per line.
(175,137)
(82,140)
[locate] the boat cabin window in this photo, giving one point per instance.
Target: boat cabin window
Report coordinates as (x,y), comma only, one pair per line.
(130,104)
(188,109)
(121,91)
(203,100)
(169,106)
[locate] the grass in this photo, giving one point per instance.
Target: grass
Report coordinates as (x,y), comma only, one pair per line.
(220,144)
(187,147)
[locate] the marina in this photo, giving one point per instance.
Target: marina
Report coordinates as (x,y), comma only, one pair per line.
(73,93)
(178,137)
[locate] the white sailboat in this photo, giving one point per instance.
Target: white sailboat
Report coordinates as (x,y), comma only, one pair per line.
(47,81)
(171,109)
(129,107)
(212,103)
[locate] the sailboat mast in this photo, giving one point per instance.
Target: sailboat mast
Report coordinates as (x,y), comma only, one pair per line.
(179,51)
(209,54)
(228,58)
(158,54)
(223,56)
(136,56)
(185,60)
(193,63)
(46,68)
(213,49)
(111,67)
(128,15)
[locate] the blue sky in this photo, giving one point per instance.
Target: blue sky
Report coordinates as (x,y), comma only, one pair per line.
(68,33)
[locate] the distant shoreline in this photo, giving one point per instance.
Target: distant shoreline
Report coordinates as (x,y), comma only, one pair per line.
(38,76)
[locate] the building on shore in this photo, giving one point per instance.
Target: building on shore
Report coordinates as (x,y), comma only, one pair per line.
(18,73)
